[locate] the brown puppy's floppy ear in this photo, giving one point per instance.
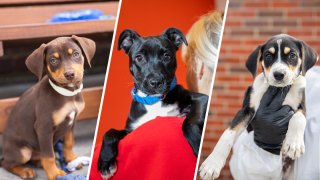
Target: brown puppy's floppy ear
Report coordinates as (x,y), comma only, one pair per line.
(35,61)
(252,62)
(175,36)
(87,46)
(309,57)
(126,39)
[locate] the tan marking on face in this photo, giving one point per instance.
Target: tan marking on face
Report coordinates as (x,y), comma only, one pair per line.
(56,55)
(26,154)
(286,50)
(57,74)
(61,114)
(78,68)
(70,51)
(272,50)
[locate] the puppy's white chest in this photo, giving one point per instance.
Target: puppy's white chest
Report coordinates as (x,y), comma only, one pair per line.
(157,109)
(292,99)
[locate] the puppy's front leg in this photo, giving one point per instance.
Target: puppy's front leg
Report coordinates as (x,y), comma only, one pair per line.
(293,145)
(193,124)
(211,167)
(109,152)
(68,152)
(48,162)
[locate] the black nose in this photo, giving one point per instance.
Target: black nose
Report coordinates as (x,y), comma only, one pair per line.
(278,75)
(69,75)
(155,83)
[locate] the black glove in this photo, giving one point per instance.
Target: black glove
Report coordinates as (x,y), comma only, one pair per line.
(271,120)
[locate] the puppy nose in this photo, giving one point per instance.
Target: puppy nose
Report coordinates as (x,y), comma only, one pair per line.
(155,83)
(69,75)
(278,75)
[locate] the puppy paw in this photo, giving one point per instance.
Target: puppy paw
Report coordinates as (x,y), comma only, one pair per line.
(24,172)
(109,172)
(293,146)
(210,168)
(54,174)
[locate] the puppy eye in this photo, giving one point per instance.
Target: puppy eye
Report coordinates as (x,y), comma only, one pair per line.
(268,57)
(53,61)
(292,56)
(76,54)
(139,59)
(166,57)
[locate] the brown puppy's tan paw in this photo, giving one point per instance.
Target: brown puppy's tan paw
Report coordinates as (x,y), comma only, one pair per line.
(23,172)
(52,171)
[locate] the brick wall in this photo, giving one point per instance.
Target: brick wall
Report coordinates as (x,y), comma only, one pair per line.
(248,24)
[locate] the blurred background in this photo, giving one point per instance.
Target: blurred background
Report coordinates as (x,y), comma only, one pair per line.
(25,25)
(248,24)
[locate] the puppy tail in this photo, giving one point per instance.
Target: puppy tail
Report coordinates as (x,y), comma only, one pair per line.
(287,168)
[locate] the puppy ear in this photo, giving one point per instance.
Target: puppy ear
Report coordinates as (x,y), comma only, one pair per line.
(87,46)
(252,62)
(175,36)
(35,61)
(126,39)
(309,57)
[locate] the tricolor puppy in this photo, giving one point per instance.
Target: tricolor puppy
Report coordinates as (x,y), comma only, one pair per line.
(285,61)
(153,65)
(47,111)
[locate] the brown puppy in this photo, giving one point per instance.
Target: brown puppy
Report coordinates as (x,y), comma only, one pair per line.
(46,112)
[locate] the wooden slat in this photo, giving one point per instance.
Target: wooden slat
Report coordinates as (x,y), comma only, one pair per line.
(92,97)
(31,21)
(62,29)
(41,14)
(1,49)
(13,2)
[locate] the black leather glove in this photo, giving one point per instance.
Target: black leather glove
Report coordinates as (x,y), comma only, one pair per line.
(271,120)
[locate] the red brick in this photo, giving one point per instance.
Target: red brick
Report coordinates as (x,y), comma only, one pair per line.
(300,32)
(284,4)
(234,13)
(261,4)
(311,23)
(299,14)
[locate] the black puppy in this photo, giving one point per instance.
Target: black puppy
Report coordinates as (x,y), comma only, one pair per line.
(153,65)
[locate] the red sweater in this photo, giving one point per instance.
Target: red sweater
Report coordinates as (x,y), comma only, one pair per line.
(156,150)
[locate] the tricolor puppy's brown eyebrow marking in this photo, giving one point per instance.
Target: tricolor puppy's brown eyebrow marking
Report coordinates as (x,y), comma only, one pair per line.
(56,55)
(70,51)
(272,50)
(286,50)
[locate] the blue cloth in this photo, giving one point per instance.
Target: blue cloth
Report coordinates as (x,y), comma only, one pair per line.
(58,148)
(71,177)
(149,100)
(89,14)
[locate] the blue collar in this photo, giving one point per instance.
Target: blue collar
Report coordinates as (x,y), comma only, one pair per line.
(149,99)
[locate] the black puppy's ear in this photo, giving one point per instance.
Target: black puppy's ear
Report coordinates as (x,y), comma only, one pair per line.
(87,46)
(126,39)
(252,62)
(35,61)
(175,36)
(309,57)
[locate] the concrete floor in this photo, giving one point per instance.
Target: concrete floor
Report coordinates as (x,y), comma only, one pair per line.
(84,134)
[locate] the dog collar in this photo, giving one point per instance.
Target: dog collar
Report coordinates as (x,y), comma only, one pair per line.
(151,99)
(65,92)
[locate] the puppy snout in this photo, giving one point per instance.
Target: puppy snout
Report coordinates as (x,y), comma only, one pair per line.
(279,75)
(155,83)
(69,75)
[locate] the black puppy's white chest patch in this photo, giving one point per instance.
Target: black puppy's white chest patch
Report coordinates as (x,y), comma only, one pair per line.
(154,110)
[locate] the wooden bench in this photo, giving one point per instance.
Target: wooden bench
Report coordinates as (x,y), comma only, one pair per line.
(29,22)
